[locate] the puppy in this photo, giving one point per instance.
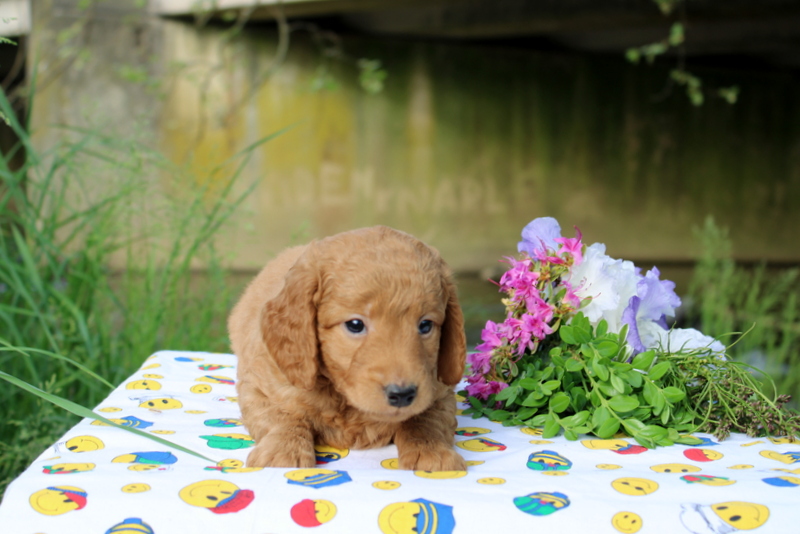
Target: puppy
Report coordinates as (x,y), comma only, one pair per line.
(353,341)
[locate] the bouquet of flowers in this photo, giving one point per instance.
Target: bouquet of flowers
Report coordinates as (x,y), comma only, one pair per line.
(585,347)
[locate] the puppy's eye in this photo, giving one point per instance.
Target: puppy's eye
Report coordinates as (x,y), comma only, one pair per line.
(355,326)
(425,326)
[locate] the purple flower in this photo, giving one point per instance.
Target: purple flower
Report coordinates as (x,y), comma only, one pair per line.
(646,313)
(540,235)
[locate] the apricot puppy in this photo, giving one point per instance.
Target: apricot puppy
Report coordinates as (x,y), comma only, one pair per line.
(353,341)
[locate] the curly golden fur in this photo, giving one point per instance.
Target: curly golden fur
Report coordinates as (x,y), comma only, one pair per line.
(354,341)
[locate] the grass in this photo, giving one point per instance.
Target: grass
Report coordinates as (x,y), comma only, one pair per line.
(763,302)
(73,326)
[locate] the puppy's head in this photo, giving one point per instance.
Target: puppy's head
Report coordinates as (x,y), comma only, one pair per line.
(376,312)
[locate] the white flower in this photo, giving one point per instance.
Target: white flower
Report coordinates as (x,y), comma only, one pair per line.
(610,283)
(684,339)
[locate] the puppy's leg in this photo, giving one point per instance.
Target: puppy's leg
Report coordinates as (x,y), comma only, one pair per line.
(281,441)
(425,442)
(284,446)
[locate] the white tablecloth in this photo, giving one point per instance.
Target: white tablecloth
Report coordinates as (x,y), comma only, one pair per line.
(101,479)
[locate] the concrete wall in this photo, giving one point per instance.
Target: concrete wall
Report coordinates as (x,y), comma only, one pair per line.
(463,147)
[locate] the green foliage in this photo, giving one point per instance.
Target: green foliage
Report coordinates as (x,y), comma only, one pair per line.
(588,384)
(71,325)
(727,297)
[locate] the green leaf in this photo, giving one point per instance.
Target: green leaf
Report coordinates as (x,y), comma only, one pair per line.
(673,394)
(632,426)
(601,329)
(580,418)
(600,416)
(623,403)
(653,432)
(81,411)
(550,386)
(527,383)
(559,402)
(534,399)
(570,434)
(510,392)
(665,415)
(524,414)
(658,370)
(573,365)
(607,348)
(567,335)
(551,427)
(634,378)
(582,335)
(599,369)
(539,420)
(607,429)
(618,383)
(577,398)
(499,415)
(643,360)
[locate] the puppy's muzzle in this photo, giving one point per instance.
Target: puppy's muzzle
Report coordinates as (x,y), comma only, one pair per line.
(400,396)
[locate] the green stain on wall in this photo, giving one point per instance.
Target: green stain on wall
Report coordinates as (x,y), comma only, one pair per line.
(468,143)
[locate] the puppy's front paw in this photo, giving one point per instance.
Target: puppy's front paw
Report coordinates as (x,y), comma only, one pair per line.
(266,455)
(433,459)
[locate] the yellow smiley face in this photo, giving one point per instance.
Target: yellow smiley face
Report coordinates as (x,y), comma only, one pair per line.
(326,454)
(742,515)
(605,444)
(626,522)
(208,493)
(390,463)
(200,389)
(675,468)
(786,440)
(473,463)
(324,510)
(163,403)
(85,444)
(153,377)
(786,458)
(608,467)
(195,412)
(151,366)
(58,500)
(109,409)
(634,486)
(145,467)
(437,475)
(540,442)
(399,518)
(299,475)
(150,385)
(555,473)
(741,466)
(139,487)
(162,431)
(231,462)
(491,481)
(481,445)
(531,431)
(386,484)
(751,443)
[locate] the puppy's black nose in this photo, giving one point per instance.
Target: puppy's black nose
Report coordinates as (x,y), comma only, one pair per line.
(399,396)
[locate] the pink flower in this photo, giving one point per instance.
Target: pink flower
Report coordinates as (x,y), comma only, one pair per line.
(491,335)
(519,279)
(478,387)
(571,246)
(570,298)
(480,362)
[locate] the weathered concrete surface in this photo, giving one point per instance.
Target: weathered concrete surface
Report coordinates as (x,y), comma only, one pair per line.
(464,146)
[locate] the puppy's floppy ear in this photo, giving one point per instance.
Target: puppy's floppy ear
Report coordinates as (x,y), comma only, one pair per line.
(289,323)
(453,342)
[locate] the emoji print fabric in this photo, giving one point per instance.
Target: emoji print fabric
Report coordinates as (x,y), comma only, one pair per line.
(99,478)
